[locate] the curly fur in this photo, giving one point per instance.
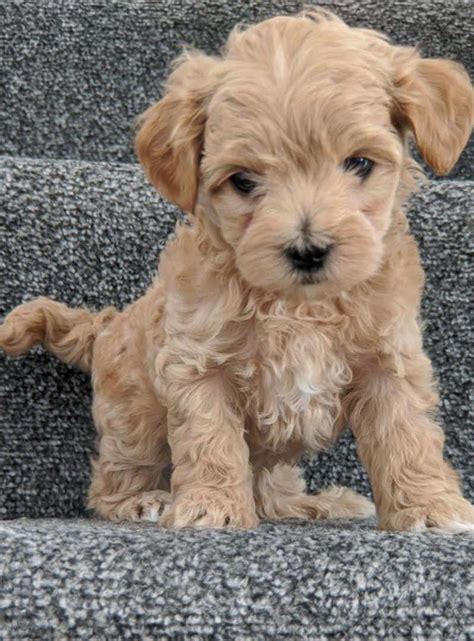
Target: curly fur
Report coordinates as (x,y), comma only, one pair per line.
(209,388)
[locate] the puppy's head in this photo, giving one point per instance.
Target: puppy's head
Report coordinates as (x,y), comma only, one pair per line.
(292,145)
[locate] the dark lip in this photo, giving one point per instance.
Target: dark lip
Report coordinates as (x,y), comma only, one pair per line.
(312,278)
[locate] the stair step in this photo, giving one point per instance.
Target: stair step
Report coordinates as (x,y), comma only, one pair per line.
(76,74)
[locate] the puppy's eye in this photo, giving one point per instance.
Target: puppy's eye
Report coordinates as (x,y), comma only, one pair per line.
(361,166)
(243,183)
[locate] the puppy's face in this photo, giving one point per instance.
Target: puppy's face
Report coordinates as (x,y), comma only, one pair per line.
(299,171)
(296,148)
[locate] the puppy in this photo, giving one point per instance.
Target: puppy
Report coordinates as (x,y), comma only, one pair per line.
(289,307)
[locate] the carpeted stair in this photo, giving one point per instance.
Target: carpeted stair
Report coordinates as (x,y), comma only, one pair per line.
(79,222)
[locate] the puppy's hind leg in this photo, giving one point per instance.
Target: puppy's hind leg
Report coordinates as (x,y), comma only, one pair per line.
(280,494)
(130,476)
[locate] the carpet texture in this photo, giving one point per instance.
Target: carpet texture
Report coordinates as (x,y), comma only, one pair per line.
(76,74)
(90,234)
(93,580)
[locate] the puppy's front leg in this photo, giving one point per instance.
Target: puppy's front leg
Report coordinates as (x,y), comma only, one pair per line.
(390,410)
(212,480)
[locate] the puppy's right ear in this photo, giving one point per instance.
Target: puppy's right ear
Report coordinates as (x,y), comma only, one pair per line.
(170,136)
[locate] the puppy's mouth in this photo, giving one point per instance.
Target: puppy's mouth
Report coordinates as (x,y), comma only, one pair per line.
(310,279)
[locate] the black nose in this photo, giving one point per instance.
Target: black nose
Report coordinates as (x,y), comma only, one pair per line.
(308,259)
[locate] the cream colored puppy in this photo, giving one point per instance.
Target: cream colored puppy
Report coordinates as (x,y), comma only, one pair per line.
(289,307)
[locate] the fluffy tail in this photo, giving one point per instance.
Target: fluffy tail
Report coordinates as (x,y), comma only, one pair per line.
(68,333)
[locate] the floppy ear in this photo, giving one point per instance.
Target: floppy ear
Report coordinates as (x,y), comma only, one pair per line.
(170,135)
(434,98)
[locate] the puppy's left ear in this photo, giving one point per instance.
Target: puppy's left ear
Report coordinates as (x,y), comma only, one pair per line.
(171,132)
(434,98)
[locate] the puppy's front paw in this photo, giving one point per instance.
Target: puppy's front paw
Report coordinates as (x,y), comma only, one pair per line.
(451,514)
(216,511)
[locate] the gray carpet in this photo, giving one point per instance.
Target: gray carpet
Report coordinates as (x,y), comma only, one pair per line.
(80,224)
(75,74)
(310,581)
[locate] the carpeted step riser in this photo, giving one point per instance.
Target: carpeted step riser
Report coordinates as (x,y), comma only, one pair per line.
(76,74)
(90,233)
(324,580)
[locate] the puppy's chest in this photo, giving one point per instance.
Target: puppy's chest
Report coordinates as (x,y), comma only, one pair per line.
(297,386)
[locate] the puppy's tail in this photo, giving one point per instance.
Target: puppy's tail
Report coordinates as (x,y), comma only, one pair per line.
(68,333)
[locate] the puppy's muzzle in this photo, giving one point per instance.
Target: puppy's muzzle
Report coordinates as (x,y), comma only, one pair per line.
(309,258)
